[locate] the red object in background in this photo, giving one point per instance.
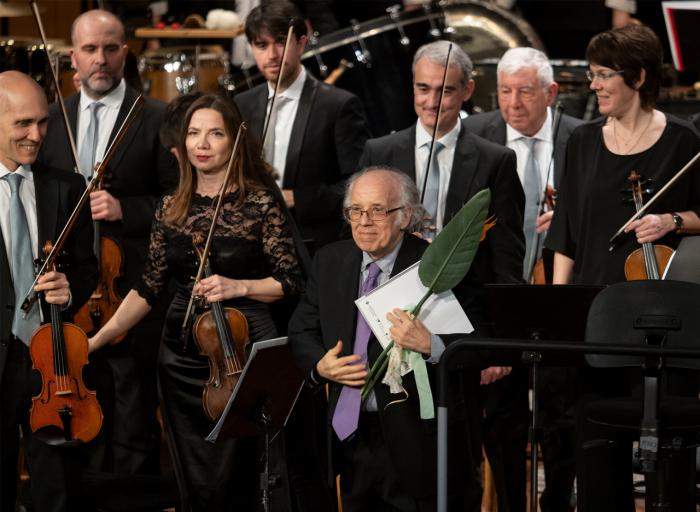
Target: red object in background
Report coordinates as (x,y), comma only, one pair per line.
(160,24)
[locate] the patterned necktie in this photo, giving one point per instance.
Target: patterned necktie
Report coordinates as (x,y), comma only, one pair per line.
(22,262)
(89,145)
(347,410)
(531,178)
(432,185)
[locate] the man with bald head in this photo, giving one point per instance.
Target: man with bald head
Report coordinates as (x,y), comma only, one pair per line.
(35,204)
(140,172)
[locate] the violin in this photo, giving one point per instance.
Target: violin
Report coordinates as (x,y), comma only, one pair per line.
(105,300)
(222,335)
(538,271)
(649,261)
(64,412)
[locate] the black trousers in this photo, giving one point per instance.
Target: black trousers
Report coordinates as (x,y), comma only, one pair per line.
(55,472)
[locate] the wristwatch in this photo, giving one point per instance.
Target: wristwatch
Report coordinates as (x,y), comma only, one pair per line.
(678,221)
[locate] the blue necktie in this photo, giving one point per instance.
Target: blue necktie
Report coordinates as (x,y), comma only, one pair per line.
(89,145)
(531,187)
(22,262)
(347,411)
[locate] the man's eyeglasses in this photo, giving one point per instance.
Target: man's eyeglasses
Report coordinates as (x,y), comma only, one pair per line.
(602,75)
(353,213)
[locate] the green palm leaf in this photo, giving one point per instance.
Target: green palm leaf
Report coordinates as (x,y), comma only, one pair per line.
(445,262)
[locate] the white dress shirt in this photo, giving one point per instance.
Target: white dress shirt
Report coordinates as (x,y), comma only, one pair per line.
(286,113)
(445,160)
(543,151)
(106,116)
(28,196)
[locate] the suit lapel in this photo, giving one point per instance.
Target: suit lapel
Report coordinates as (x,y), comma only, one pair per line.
(72,106)
(496,130)
(404,157)
(296,139)
(258,113)
(464,169)
(47,194)
(560,150)
(346,289)
(130,96)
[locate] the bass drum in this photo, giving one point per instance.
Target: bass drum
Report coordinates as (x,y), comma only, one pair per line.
(380,53)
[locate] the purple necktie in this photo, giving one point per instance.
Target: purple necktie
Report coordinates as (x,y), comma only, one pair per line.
(347,410)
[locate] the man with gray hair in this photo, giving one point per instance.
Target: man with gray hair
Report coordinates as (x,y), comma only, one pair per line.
(385,453)
(523,123)
(461,164)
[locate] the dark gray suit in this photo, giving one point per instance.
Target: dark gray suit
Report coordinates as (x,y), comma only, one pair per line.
(57,193)
(138,175)
(477,164)
(328,135)
(506,401)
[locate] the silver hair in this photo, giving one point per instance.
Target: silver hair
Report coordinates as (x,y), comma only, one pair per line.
(436,52)
(408,195)
(516,59)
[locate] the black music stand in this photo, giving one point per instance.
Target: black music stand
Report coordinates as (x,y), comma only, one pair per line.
(540,313)
(262,401)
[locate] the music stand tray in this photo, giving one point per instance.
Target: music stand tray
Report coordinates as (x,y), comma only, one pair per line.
(540,312)
(265,393)
(262,401)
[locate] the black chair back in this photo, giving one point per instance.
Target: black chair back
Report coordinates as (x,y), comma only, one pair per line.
(655,313)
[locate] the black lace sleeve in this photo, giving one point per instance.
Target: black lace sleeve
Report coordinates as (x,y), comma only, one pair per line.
(278,247)
(155,273)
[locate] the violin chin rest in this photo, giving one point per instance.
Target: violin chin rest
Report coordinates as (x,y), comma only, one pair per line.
(54,436)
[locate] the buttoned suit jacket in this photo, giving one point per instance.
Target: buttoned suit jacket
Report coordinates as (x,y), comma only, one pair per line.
(140,172)
(326,314)
(328,134)
(57,193)
(477,164)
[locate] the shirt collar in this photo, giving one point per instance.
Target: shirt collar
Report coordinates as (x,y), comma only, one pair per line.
(386,263)
(23,170)
(293,92)
(544,134)
(112,100)
(449,140)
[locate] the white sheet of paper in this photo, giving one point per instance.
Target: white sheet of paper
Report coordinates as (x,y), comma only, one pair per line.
(441,313)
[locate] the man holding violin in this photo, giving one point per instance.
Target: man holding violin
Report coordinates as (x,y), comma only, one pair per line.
(139,173)
(524,123)
(35,204)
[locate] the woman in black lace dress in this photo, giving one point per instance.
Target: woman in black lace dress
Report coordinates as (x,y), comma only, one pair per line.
(253,262)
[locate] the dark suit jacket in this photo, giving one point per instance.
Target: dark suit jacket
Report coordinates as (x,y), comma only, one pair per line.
(491,126)
(477,164)
(57,193)
(326,314)
(138,175)
(328,135)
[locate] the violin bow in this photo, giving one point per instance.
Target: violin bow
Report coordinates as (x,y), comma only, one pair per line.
(652,200)
(558,111)
(54,78)
(437,123)
(207,246)
(266,126)
(135,109)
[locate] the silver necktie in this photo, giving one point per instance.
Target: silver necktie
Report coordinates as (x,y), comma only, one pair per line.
(531,187)
(432,185)
(22,262)
(89,145)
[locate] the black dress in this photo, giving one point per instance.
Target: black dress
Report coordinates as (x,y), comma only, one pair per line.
(251,241)
(591,206)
